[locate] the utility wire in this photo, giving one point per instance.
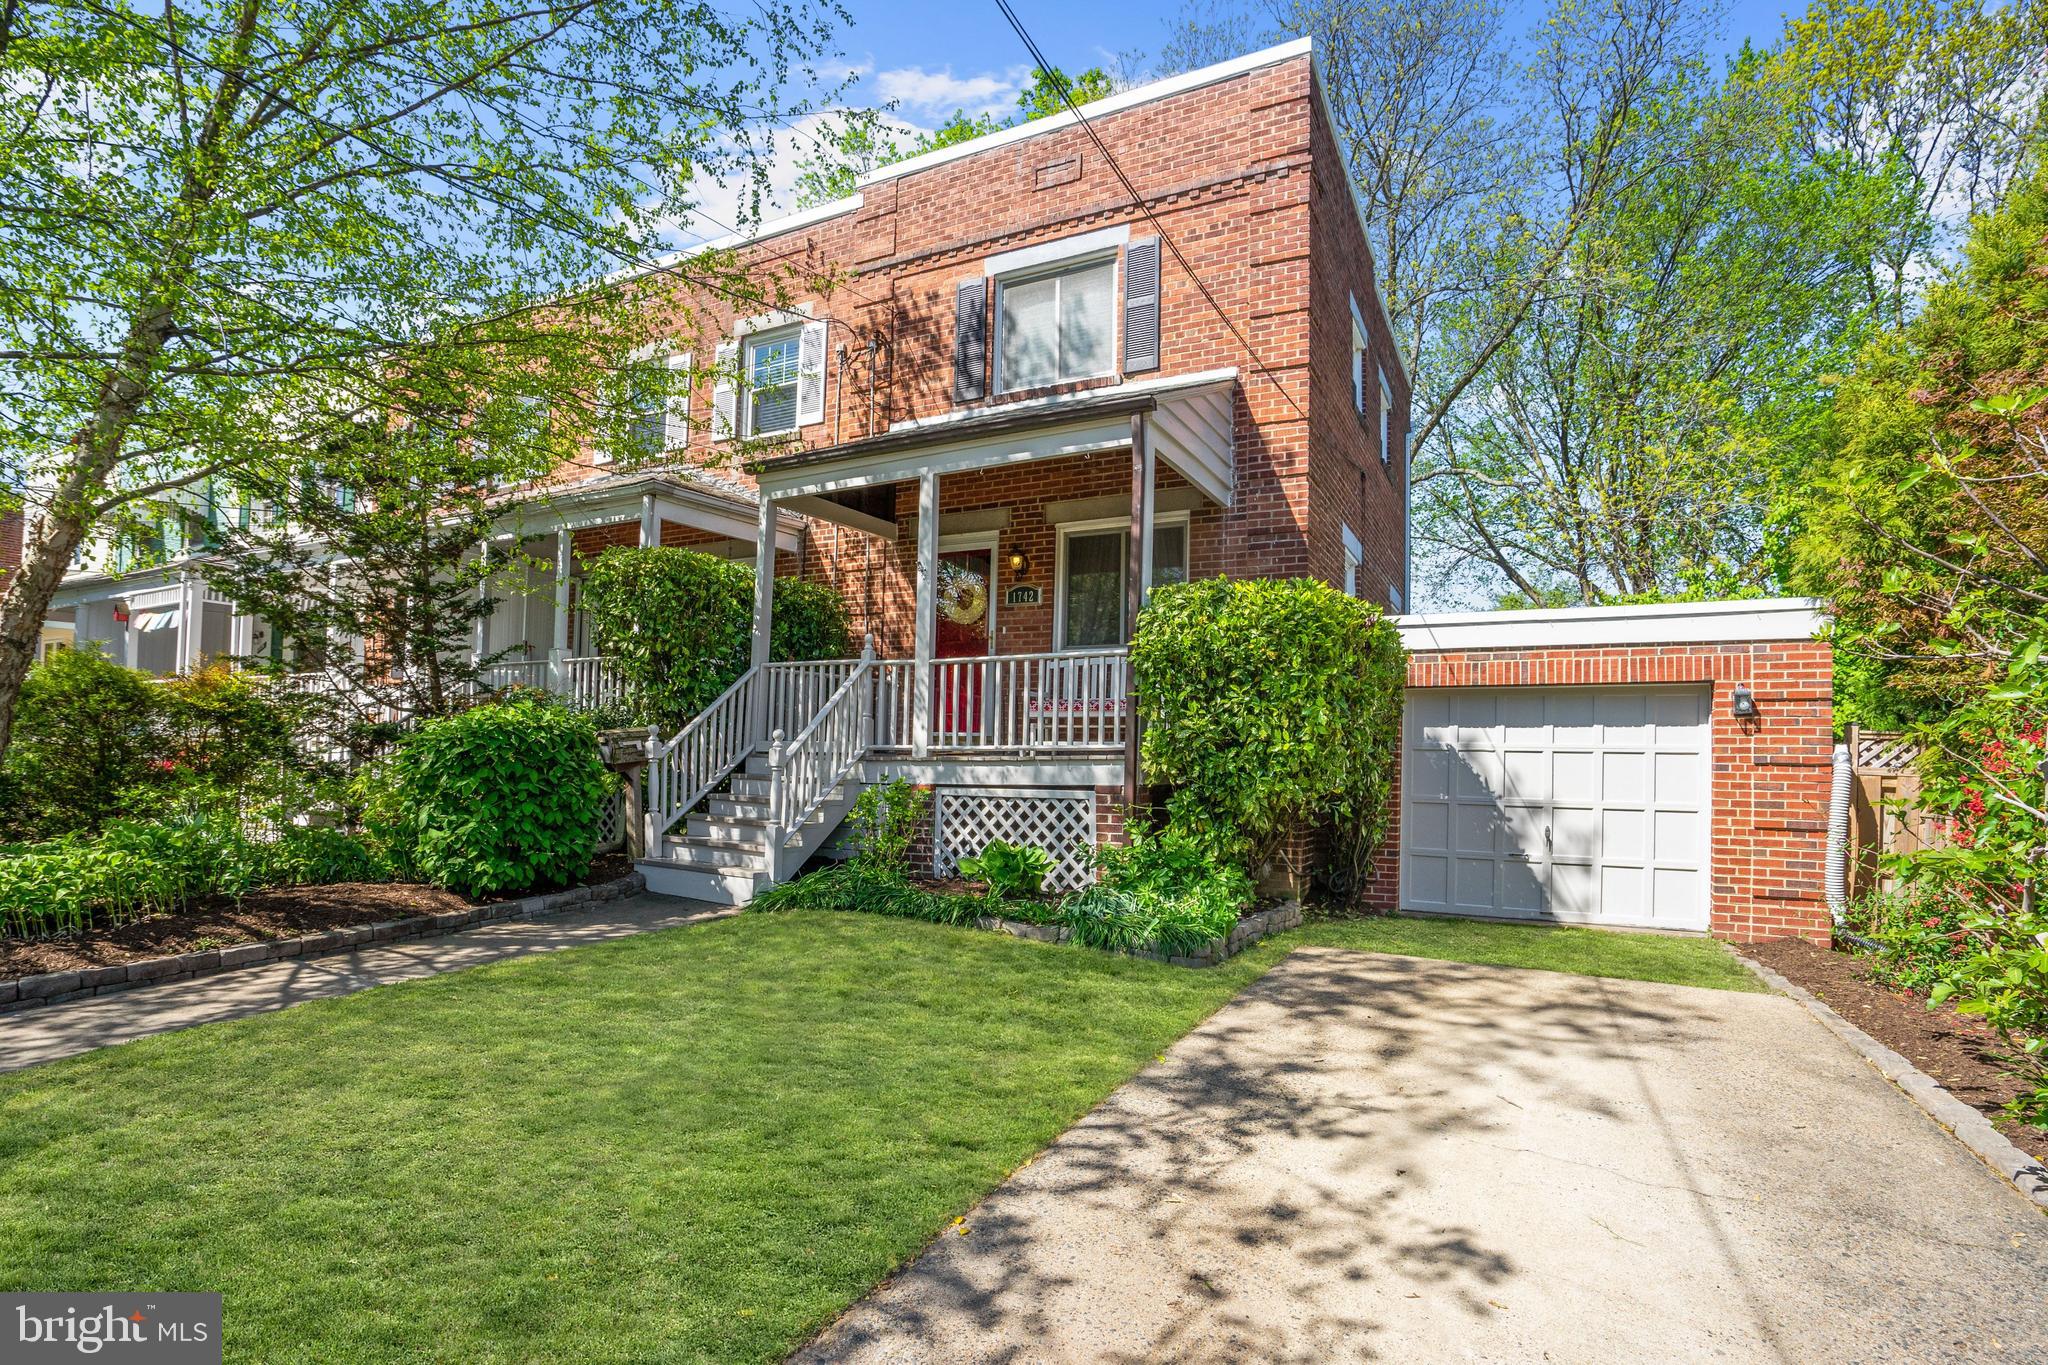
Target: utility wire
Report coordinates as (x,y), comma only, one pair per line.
(1067,98)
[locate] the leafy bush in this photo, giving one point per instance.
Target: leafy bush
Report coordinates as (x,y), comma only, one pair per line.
(1921,935)
(678,624)
(810,621)
(85,733)
(222,726)
(1269,706)
(1008,869)
(885,820)
(500,798)
(1163,890)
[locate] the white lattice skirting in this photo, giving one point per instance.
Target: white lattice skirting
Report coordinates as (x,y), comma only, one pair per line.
(964,822)
(611,822)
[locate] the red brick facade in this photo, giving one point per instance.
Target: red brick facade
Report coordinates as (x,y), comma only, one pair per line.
(1244,174)
(1771,774)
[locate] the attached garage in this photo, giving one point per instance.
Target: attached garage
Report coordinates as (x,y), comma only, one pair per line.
(1588,766)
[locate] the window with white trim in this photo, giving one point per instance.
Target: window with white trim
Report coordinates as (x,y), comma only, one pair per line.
(1354,560)
(1358,349)
(1089,592)
(773,365)
(653,407)
(1386,420)
(1056,326)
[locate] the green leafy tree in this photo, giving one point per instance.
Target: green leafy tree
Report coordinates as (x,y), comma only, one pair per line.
(864,141)
(1927,529)
(88,733)
(1635,432)
(234,225)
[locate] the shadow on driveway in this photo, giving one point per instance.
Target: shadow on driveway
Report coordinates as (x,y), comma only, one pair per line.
(1366,1156)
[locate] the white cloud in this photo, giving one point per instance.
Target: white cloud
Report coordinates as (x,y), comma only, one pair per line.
(941,92)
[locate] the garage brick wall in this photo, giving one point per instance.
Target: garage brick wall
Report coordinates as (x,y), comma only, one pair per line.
(1770,775)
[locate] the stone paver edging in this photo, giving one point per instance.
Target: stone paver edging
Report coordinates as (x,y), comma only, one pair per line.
(51,988)
(1248,930)
(1971,1128)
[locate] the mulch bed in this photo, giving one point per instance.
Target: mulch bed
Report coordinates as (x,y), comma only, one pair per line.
(282,912)
(1958,1052)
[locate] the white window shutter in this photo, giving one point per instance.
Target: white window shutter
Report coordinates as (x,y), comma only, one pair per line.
(810,375)
(676,431)
(725,399)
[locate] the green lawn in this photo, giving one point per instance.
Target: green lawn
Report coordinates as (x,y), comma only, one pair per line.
(693,1145)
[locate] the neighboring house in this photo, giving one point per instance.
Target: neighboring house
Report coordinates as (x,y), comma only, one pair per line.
(56,630)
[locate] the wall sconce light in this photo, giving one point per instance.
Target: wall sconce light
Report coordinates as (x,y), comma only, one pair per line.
(1742,704)
(1020,563)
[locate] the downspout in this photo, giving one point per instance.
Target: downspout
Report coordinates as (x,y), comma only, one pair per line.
(1836,879)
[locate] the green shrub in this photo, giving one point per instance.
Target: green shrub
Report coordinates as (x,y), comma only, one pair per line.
(809,621)
(222,726)
(317,855)
(1166,891)
(1008,869)
(1920,932)
(501,798)
(885,820)
(869,889)
(1269,706)
(678,624)
(85,732)
(131,869)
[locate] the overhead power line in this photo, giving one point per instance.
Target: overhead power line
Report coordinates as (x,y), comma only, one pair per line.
(1059,81)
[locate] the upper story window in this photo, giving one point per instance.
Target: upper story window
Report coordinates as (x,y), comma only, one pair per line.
(772,370)
(1386,420)
(1057,326)
(653,397)
(1358,353)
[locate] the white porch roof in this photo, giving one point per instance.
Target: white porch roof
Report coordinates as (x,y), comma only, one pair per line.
(612,498)
(1191,421)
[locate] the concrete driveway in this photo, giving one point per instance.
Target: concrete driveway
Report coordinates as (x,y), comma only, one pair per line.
(1377,1157)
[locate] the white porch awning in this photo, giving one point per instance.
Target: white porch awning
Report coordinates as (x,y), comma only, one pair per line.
(1191,420)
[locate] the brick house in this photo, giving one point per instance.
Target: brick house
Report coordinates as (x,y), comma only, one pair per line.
(1000,401)
(1018,409)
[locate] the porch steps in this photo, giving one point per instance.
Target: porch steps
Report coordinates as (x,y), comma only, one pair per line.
(723,855)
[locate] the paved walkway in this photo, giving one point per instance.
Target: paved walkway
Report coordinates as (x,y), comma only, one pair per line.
(30,1037)
(1380,1157)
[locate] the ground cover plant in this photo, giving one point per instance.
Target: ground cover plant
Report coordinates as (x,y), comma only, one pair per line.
(643,1148)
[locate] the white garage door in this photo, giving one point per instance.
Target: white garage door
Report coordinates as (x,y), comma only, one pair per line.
(1588,804)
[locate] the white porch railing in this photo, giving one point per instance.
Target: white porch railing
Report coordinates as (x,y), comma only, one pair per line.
(797,692)
(683,770)
(803,772)
(515,673)
(1034,703)
(588,682)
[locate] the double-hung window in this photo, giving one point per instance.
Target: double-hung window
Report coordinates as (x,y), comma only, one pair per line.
(1057,326)
(773,362)
(1386,421)
(1093,560)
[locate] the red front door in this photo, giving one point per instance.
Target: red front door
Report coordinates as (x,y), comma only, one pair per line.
(966,579)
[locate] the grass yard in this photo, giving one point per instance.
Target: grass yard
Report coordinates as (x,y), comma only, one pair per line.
(693,1145)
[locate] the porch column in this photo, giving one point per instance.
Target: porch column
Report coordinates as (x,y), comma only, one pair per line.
(927,600)
(559,649)
(483,597)
(191,620)
(241,634)
(764,613)
(650,524)
(1137,585)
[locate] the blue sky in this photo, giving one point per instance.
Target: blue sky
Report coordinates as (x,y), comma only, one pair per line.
(932,59)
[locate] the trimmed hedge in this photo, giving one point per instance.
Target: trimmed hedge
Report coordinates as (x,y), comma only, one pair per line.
(678,624)
(1270,706)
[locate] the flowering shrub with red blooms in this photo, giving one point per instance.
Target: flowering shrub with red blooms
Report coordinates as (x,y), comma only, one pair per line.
(1986,895)
(1922,932)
